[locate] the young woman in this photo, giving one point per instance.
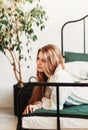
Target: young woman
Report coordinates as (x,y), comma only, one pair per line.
(50,68)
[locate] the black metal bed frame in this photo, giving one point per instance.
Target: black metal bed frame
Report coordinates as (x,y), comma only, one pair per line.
(57,85)
(58,115)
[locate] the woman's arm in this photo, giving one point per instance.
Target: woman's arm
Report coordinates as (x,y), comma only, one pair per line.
(32,108)
(49,102)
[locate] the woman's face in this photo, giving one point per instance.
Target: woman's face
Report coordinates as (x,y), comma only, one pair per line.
(41,62)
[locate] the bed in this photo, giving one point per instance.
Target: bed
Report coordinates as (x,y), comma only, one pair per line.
(72,117)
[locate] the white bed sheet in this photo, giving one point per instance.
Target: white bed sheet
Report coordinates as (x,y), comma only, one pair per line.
(36,122)
(51,123)
(73,123)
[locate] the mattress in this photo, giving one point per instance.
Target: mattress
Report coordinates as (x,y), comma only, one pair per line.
(77,123)
(77,117)
(51,123)
(37,120)
(41,122)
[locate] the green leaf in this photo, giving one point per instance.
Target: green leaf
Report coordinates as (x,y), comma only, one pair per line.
(34,38)
(21,57)
(18,49)
(28,66)
(42,27)
(27,50)
(25,59)
(5,22)
(31,1)
(3,10)
(30,31)
(27,44)
(37,23)
(7,42)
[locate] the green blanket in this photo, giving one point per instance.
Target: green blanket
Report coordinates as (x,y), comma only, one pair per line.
(71,111)
(75,111)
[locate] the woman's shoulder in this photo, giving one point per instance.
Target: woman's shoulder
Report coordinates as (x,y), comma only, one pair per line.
(61,75)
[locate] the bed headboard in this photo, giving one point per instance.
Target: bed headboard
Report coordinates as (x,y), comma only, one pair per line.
(74,38)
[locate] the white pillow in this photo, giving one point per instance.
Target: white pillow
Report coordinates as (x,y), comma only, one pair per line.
(77,69)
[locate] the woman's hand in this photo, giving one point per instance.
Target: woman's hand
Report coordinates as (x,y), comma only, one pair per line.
(29,108)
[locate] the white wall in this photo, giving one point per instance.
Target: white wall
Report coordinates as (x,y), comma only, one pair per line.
(59,12)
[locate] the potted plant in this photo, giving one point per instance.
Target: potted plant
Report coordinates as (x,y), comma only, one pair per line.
(15,23)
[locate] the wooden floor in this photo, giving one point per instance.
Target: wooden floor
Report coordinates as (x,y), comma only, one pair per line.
(7,119)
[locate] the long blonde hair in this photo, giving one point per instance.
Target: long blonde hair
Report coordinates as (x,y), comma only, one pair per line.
(54,58)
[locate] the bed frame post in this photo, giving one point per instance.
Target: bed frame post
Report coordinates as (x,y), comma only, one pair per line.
(58,115)
(84,35)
